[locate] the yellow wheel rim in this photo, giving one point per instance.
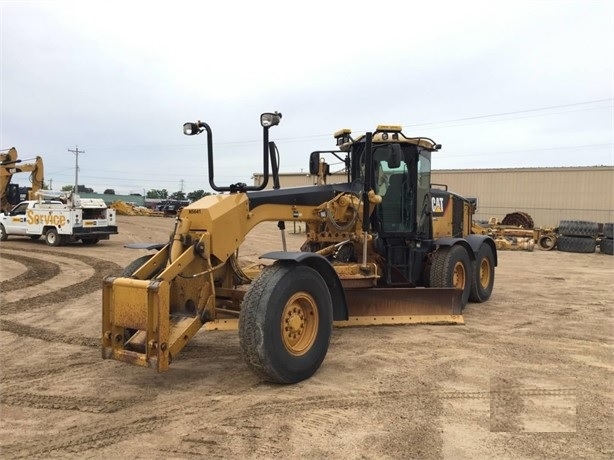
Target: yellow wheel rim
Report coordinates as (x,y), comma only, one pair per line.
(459,276)
(299,323)
(484,272)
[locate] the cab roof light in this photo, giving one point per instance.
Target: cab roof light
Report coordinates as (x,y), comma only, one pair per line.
(343,136)
(389,128)
(267,120)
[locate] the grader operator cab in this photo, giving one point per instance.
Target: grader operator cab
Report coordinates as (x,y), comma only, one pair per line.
(382,248)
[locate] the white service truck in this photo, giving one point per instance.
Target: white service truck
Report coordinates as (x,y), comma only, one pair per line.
(87,219)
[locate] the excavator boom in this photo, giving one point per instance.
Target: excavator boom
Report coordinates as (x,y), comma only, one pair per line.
(10,165)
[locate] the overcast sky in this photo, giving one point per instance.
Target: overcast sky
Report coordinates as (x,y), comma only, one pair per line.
(499,84)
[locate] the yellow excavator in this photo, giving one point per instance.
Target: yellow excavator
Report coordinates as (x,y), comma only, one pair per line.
(385,247)
(9,165)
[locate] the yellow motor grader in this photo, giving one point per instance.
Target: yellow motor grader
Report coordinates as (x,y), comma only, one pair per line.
(382,248)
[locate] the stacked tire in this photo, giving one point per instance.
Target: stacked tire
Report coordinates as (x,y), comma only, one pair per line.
(577,236)
(606,245)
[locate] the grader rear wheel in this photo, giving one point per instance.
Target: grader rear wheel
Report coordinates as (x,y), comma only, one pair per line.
(483,277)
(285,323)
(451,267)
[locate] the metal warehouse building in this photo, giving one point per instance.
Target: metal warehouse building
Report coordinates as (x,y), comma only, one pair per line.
(549,195)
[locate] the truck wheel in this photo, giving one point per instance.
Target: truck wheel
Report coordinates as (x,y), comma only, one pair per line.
(285,323)
(451,267)
(576,244)
(3,235)
(52,238)
(483,278)
(608,230)
(89,240)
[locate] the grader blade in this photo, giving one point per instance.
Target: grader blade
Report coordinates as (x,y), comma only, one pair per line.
(381,306)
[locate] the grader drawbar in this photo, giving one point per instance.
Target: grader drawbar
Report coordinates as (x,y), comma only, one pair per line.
(373,255)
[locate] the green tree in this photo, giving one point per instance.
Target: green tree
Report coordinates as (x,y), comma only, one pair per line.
(197,195)
(157,193)
(178,195)
(67,188)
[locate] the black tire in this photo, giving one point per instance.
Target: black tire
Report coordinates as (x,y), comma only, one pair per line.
(133,266)
(89,241)
(483,277)
(3,235)
(52,238)
(127,272)
(518,219)
(546,242)
(297,297)
(606,246)
(576,244)
(608,230)
(452,267)
(578,228)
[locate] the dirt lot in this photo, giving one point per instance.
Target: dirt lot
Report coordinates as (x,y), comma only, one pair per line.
(530,375)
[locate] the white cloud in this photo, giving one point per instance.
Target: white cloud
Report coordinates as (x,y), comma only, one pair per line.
(119,79)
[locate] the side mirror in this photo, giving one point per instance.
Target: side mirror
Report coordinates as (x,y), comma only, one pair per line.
(314,163)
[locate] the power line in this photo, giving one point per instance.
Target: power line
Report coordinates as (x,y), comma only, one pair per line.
(407,125)
(494,115)
(222,168)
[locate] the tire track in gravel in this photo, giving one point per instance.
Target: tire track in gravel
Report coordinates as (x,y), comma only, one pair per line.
(20,390)
(89,437)
(101,268)
(40,333)
(38,271)
(67,403)
(67,272)
(367,398)
(107,431)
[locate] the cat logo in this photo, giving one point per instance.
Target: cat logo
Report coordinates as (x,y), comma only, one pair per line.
(437,203)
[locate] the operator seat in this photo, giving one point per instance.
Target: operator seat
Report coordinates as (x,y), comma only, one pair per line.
(392,204)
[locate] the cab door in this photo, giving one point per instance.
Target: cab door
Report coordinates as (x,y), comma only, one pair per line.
(16,223)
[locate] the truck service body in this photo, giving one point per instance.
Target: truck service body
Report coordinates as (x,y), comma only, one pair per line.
(88,220)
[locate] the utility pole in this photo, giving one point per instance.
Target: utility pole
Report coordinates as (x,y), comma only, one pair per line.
(182,181)
(76,152)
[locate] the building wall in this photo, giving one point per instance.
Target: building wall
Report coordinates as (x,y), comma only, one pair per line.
(549,195)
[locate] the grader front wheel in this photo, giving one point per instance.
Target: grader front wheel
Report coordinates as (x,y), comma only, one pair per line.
(285,323)
(299,323)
